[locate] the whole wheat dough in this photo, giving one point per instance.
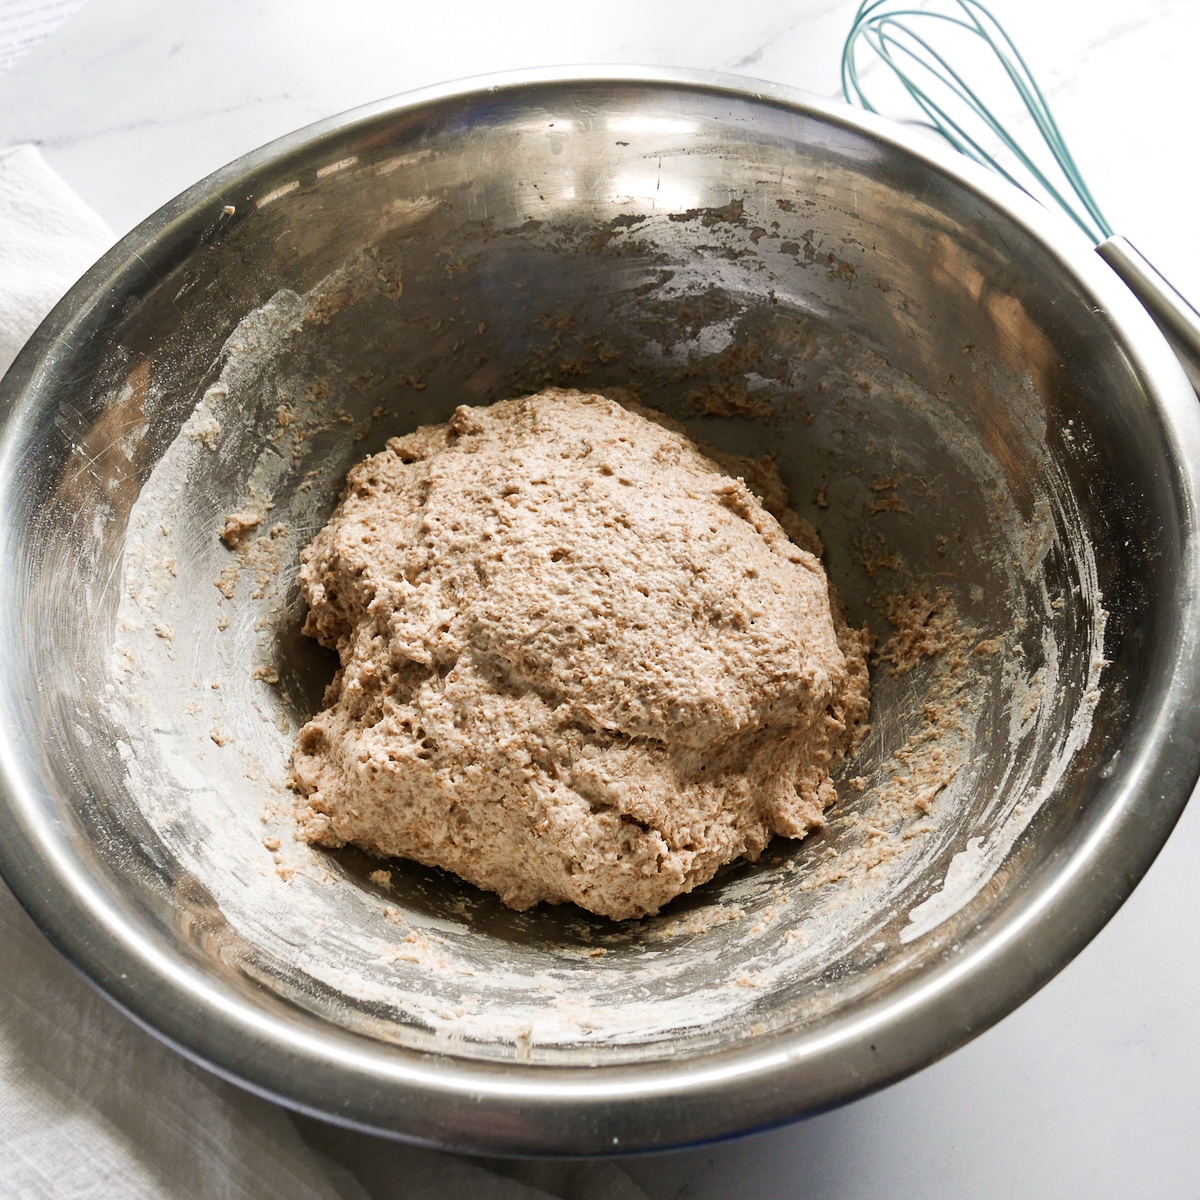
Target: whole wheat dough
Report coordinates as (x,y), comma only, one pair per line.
(580,659)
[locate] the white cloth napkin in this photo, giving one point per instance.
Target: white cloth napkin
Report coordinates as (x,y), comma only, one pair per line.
(48,238)
(91,1106)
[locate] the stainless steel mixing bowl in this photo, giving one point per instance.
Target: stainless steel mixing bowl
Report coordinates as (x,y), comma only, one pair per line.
(958,393)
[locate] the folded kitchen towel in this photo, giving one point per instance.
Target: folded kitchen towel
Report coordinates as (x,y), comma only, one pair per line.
(91,1106)
(48,238)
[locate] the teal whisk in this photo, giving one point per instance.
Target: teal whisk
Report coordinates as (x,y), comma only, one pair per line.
(927,50)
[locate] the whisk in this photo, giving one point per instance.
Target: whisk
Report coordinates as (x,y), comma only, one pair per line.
(927,51)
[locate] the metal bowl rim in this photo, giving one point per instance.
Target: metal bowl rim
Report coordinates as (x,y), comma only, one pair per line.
(764,1080)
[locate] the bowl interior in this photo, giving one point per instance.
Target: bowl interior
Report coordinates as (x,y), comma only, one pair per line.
(941,401)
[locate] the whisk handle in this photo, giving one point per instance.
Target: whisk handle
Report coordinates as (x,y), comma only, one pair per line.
(1172,313)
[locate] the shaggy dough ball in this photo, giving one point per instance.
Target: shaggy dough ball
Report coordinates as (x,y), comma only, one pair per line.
(580,659)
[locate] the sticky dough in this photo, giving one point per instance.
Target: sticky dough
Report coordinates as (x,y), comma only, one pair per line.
(581,659)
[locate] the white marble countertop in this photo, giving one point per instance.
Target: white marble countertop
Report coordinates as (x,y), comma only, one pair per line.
(1093,1086)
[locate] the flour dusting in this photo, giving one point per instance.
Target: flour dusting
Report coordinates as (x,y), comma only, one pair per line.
(974,722)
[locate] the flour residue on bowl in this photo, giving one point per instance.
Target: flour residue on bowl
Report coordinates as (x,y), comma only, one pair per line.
(968,738)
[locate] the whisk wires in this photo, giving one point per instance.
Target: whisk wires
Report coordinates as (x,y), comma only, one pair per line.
(914,43)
